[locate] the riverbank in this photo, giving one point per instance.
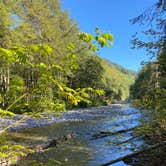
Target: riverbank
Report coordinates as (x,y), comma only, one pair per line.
(23,122)
(115,125)
(20,122)
(152,157)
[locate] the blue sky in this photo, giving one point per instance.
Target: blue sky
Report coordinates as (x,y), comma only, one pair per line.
(111,16)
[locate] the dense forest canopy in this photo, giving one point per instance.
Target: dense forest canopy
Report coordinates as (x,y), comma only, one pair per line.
(48,64)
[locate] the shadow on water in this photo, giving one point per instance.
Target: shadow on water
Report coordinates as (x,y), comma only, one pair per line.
(83,150)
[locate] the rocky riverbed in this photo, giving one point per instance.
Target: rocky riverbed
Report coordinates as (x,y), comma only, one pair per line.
(24,121)
(103,135)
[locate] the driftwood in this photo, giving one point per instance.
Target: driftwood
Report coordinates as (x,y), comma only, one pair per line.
(163,143)
(102,134)
(53,142)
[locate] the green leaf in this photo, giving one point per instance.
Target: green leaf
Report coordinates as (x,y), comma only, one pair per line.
(3,154)
(42,65)
(7,55)
(6,113)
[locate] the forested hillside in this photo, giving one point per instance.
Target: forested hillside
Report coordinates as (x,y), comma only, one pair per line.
(118,79)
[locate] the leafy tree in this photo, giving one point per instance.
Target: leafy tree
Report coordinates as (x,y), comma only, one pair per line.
(89,73)
(149,88)
(43,57)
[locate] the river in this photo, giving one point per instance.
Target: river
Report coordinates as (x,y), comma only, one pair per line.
(83,150)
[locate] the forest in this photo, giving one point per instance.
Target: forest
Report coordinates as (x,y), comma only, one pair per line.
(149,89)
(48,66)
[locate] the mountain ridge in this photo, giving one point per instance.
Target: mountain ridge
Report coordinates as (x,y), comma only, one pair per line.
(121,68)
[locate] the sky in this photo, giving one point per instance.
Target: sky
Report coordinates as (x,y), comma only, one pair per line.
(111,16)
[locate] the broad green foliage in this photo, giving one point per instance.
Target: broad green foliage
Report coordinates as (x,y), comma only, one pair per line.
(97,41)
(39,96)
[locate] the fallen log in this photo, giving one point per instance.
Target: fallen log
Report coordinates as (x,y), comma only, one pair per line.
(53,142)
(102,134)
(135,153)
(126,141)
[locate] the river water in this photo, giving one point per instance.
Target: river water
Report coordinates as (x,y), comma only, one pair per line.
(83,150)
